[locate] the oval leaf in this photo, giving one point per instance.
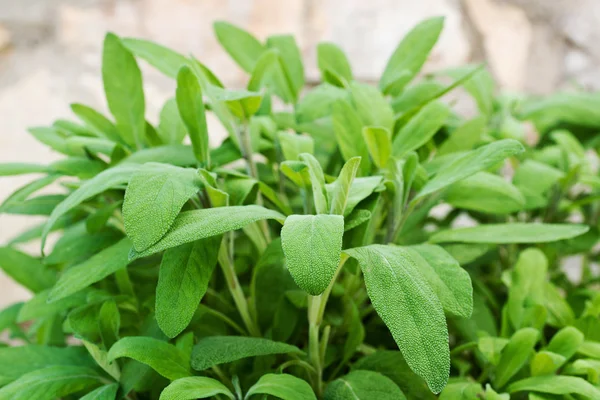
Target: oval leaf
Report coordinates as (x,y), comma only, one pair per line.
(363,385)
(196,387)
(283,386)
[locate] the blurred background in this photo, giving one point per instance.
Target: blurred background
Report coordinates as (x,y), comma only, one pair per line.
(50,53)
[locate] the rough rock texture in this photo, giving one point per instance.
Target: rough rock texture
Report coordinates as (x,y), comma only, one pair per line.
(50,51)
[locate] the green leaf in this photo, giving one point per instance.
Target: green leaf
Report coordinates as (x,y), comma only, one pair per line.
(332,62)
(106,392)
(561,385)
(448,280)
(26,270)
(379,144)
(566,342)
(162,58)
(510,233)
(244,48)
(92,270)
(292,145)
(546,363)
(420,128)
(171,127)
(196,387)
(589,349)
(480,85)
(105,180)
(101,358)
(200,224)
(363,385)
(38,306)
(372,108)
(312,245)
(339,190)
(291,58)
(242,103)
(109,323)
(462,391)
(11,169)
(410,55)
(317,180)
(97,122)
(124,92)
(515,354)
(471,163)
(486,193)
(215,350)
(191,108)
(51,383)
(577,108)
(348,127)
(269,71)
(283,386)
(464,137)
(162,357)
(154,197)
(76,244)
(360,189)
(185,272)
(409,307)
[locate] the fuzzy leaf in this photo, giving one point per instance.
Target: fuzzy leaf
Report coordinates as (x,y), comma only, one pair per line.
(363,385)
(200,224)
(162,357)
(510,233)
(215,350)
(312,245)
(409,307)
(185,272)
(196,387)
(283,386)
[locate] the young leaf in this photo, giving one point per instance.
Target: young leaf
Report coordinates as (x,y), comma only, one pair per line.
(26,270)
(92,270)
(317,180)
(171,127)
(410,55)
(244,48)
(332,63)
(312,245)
(420,128)
(410,309)
(292,59)
(124,92)
(200,224)
(372,108)
(215,350)
(292,145)
(162,58)
(566,342)
(348,132)
(185,272)
(283,386)
(515,355)
(11,169)
(363,385)
(162,357)
(106,392)
(50,383)
(38,306)
(471,163)
(195,387)
(510,233)
(191,108)
(559,385)
(379,143)
(464,137)
(339,190)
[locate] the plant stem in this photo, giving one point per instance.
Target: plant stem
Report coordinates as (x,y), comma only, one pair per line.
(236,290)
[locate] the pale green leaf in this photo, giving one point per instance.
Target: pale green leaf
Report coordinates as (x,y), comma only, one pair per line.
(546,363)
(283,386)
(96,122)
(123,88)
(312,245)
(379,144)
(464,137)
(363,385)
(462,391)
(339,190)
(510,233)
(372,108)
(348,127)
(199,224)
(332,61)
(515,354)
(317,180)
(566,342)
(244,48)
(360,189)
(471,163)
(162,58)
(185,272)
(196,387)
(92,270)
(420,128)
(162,357)
(171,127)
(409,307)
(215,350)
(11,169)
(292,145)
(561,385)
(291,59)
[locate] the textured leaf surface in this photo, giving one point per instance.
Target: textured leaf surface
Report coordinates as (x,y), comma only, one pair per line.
(510,233)
(471,163)
(185,272)
(196,387)
(153,199)
(312,245)
(124,92)
(363,385)
(283,386)
(200,224)
(164,358)
(92,270)
(215,350)
(50,383)
(410,309)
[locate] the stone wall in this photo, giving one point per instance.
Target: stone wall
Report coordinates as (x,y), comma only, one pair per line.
(50,51)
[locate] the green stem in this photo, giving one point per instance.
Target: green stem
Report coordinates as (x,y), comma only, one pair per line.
(236,290)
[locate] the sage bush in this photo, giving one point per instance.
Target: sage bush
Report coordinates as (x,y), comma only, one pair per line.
(345,241)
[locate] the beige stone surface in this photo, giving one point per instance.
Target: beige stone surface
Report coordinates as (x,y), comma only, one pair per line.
(50,52)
